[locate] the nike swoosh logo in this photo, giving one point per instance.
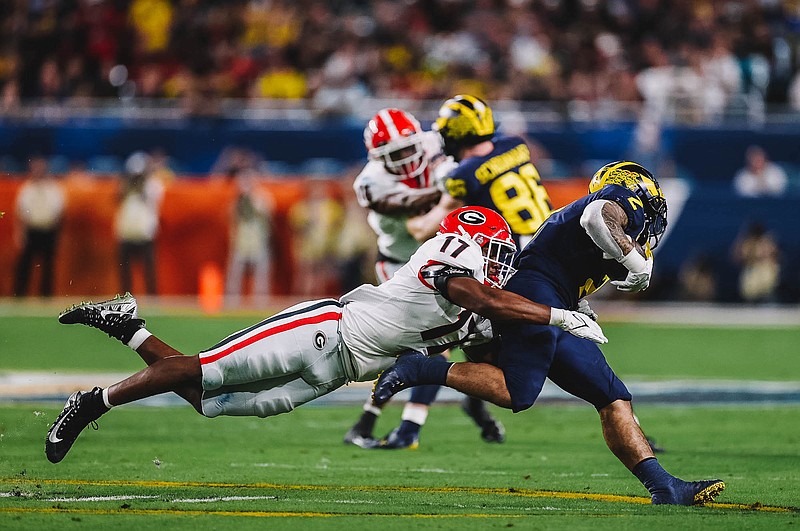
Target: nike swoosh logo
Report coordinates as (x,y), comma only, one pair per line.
(52,437)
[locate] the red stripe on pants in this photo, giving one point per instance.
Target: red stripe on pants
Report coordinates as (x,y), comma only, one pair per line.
(330,316)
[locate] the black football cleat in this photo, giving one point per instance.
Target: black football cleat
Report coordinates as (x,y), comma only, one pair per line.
(402,375)
(360,439)
(689,492)
(80,410)
(492,430)
(116,317)
(399,440)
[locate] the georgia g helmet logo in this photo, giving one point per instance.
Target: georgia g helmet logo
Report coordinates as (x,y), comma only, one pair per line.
(472,217)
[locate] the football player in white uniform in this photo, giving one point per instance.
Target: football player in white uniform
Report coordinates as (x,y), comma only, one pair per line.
(398,183)
(312,348)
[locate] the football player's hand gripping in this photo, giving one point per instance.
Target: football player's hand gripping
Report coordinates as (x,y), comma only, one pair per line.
(578,324)
(584,308)
(501,305)
(639,271)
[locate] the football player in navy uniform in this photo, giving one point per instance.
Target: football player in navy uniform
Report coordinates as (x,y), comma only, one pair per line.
(605,236)
(495,172)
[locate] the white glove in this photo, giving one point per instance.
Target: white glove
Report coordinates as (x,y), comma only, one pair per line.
(585,309)
(577,324)
(639,271)
(481,333)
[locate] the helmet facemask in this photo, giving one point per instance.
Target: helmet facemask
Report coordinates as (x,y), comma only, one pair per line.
(497,257)
(403,157)
(491,232)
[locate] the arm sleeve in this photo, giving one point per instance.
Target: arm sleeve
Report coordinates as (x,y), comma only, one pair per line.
(595,226)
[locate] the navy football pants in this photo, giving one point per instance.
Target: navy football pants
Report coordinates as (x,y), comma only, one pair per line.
(531,353)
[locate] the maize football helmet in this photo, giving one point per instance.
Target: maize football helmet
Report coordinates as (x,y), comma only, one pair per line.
(641,182)
(488,229)
(393,137)
(464,121)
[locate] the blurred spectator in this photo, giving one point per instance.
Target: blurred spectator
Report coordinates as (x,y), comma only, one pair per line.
(234,160)
(159,167)
(794,93)
(356,245)
(39,209)
(316,223)
(250,247)
(697,279)
(692,58)
(760,177)
(136,222)
(756,252)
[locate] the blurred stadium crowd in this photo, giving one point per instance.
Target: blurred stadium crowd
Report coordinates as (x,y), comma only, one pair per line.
(652,63)
(714,55)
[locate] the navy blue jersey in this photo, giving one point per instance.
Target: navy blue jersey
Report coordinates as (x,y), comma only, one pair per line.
(505,181)
(562,252)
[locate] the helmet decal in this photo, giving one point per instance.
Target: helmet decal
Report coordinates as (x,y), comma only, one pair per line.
(471,217)
(464,121)
(490,231)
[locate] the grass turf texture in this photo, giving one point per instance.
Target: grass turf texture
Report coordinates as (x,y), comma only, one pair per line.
(644,352)
(292,472)
(297,474)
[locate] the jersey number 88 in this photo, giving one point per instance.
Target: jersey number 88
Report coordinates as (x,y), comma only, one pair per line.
(521,199)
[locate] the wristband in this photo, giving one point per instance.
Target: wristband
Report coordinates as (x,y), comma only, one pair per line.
(634,262)
(556,317)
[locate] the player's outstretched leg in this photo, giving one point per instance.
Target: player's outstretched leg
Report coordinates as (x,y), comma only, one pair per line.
(409,370)
(80,410)
(492,430)
(117,317)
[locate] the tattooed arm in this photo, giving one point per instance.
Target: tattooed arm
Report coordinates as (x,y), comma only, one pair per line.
(604,222)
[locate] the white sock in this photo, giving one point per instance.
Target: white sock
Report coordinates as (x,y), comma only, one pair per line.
(105,398)
(416,413)
(138,338)
(370,408)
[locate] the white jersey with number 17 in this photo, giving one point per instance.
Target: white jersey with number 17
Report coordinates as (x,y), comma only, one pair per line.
(408,312)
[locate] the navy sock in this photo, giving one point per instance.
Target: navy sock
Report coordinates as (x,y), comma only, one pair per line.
(424,394)
(652,475)
(408,427)
(434,370)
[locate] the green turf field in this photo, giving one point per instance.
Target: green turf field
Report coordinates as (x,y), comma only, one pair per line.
(149,467)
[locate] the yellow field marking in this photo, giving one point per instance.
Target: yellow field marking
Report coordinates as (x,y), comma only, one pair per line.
(273,514)
(528,493)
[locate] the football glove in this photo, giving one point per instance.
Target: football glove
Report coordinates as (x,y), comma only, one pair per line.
(639,271)
(584,308)
(480,334)
(577,324)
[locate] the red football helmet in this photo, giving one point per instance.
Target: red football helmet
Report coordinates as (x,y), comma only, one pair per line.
(393,137)
(489,230)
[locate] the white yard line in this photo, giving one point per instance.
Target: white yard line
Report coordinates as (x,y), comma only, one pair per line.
(48,386)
